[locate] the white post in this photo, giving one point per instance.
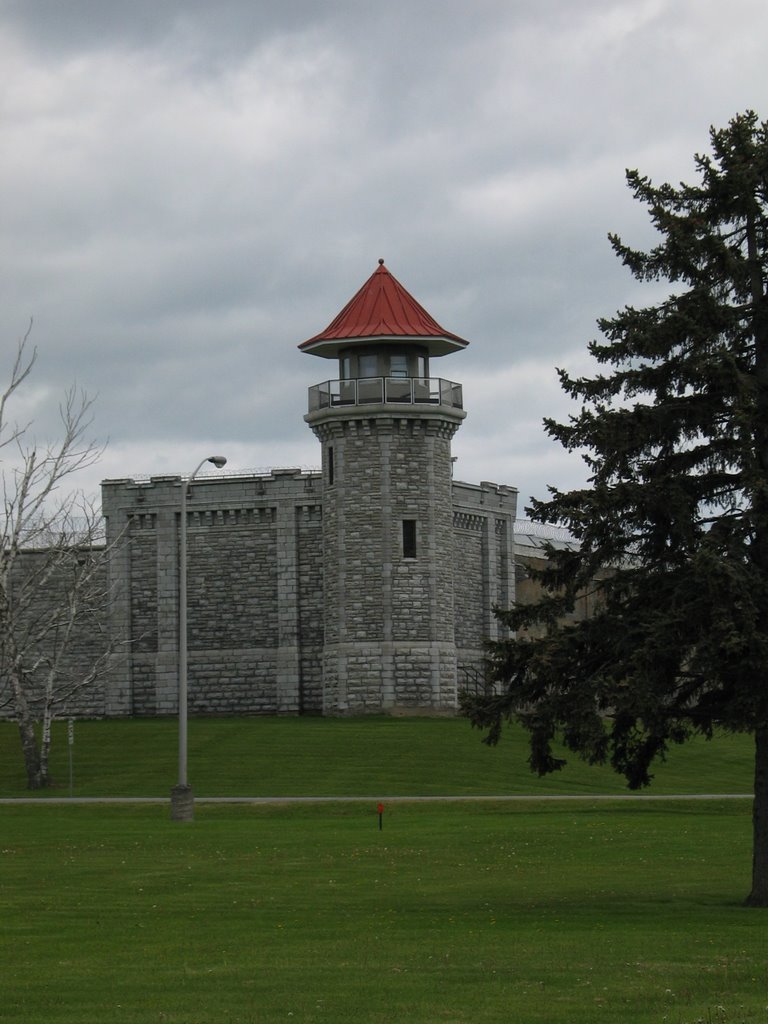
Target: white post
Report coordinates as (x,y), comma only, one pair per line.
(182,798)
(183,631)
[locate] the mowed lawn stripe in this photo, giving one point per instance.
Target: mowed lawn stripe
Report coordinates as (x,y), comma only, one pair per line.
(460,912)
(344,757)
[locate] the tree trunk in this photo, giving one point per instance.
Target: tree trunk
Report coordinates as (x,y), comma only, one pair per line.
(36,769)
(45,747)
(37,777)
(758,897)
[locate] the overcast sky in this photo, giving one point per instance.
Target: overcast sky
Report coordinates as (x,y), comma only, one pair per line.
(190,189)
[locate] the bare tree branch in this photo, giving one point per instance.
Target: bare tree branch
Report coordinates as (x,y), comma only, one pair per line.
(54,582)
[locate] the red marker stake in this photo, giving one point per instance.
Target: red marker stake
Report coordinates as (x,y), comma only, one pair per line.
(380,809)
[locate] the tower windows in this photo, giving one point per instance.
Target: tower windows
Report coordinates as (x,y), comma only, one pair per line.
(409,538)
(398,364)
(399,361)
(331,467)
(367,365)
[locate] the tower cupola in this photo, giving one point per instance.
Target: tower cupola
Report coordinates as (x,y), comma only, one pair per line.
(383,340)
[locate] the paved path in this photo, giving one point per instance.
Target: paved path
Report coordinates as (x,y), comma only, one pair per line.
(636,797)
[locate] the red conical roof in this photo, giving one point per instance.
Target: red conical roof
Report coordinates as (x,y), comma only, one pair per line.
(383,311)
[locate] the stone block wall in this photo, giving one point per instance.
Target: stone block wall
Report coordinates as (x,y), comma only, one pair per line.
(41,584)
(254,589)
(310,591)
(484,559)
(300,599)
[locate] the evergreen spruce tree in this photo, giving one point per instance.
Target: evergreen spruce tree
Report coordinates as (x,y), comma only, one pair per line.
(672,530)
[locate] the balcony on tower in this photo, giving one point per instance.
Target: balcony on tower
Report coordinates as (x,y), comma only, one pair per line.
(426,391)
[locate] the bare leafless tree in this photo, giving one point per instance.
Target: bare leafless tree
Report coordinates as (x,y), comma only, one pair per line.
(53,571)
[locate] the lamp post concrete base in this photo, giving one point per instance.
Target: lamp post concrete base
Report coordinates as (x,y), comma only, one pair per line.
(182,804)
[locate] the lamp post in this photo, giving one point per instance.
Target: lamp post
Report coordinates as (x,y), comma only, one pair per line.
(182,799)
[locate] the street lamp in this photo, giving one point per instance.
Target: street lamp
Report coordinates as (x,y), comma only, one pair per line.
(182,799)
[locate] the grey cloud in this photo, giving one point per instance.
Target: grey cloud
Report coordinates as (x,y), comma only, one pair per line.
(191,189)
(226,26)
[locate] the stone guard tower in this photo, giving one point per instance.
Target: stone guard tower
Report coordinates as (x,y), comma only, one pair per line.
(385,425)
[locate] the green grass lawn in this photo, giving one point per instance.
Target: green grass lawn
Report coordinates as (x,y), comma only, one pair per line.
(343,757)
(458,913)
(454,913)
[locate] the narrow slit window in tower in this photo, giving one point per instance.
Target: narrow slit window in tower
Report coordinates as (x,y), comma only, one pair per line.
(409,538)
(331,467)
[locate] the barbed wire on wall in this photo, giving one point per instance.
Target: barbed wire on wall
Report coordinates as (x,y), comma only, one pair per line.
(219,474)
(543,531)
